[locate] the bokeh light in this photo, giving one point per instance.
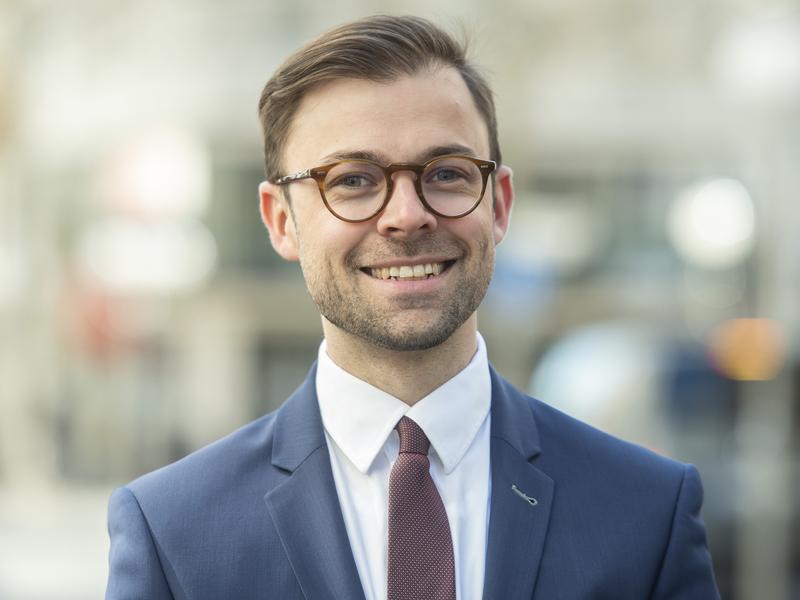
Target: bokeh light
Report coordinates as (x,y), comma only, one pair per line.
(748,349)
(712,224)
(134,256)
(159,174)
(759,59)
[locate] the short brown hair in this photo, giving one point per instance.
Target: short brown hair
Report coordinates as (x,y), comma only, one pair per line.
(379,48)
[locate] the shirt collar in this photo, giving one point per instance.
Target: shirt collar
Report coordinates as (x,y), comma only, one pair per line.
(360,417)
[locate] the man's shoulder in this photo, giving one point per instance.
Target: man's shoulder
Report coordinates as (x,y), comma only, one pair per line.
(614,507)
(565,441)
(194,515)
(235,457)
(252,458)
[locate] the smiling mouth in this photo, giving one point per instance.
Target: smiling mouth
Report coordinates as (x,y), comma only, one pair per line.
(409,272)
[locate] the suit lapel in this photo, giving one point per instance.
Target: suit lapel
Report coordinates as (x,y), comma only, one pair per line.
(305,507)
(307,516)
(517,525)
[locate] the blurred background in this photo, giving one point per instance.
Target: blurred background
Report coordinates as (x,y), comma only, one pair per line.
(649,285)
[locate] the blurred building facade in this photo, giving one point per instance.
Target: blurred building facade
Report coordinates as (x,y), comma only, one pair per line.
(649,284)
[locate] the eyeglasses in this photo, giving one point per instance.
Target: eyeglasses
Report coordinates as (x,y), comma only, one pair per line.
(356,190)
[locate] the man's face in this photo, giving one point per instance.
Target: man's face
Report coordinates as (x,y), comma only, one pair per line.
(410,120)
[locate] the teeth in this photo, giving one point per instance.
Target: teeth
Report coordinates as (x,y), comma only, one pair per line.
(407,271)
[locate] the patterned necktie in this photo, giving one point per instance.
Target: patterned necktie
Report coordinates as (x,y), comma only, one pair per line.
(421,563)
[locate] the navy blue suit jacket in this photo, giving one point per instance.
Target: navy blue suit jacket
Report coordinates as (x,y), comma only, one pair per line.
(256,515)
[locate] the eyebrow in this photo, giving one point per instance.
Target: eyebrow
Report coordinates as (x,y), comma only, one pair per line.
(382,159)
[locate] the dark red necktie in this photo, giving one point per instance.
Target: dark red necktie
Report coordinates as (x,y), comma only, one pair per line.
(421,563)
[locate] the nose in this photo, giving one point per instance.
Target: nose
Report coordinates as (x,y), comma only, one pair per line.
(405,217)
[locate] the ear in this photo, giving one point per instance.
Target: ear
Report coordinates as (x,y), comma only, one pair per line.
(503,199)
(278,219)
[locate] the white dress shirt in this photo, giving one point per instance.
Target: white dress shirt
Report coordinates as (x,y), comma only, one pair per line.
(359,422)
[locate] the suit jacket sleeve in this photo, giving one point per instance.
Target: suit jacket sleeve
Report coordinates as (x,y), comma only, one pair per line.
(686,570)
(135,569)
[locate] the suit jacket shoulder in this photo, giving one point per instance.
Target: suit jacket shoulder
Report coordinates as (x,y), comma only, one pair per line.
(213,469)
(592,451)
(208,525)
(611,515)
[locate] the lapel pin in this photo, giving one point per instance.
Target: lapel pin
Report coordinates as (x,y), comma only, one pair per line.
(529,499)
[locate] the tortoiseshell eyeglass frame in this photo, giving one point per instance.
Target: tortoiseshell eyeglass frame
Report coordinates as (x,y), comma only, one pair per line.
(486,168)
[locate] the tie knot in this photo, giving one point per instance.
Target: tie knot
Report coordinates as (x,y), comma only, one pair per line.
(412,438)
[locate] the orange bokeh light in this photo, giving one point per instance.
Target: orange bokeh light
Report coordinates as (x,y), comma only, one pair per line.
(748,349)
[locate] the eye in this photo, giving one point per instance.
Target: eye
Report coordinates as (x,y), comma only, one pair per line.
(354,177)
(353,180)
(445,175)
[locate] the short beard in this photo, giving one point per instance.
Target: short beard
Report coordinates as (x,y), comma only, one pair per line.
(376,329)
(373,330)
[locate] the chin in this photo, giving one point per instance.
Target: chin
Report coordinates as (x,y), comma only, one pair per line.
(429,331)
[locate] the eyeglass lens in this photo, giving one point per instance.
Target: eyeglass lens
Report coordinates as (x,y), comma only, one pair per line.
(357,189)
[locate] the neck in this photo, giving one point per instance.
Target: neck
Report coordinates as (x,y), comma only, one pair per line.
(407,375)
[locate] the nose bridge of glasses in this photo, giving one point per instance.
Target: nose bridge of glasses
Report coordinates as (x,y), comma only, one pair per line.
(398,172)
(393,170)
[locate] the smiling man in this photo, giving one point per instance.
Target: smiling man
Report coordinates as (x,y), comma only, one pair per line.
(404,467)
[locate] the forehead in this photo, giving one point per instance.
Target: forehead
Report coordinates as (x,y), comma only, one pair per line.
(399,121)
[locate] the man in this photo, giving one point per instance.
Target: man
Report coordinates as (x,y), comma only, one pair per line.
(404,466)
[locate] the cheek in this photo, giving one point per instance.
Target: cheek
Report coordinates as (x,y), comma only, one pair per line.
(476,227)
(325,241)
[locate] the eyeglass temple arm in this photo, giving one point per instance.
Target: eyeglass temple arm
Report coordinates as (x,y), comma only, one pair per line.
(289,178)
